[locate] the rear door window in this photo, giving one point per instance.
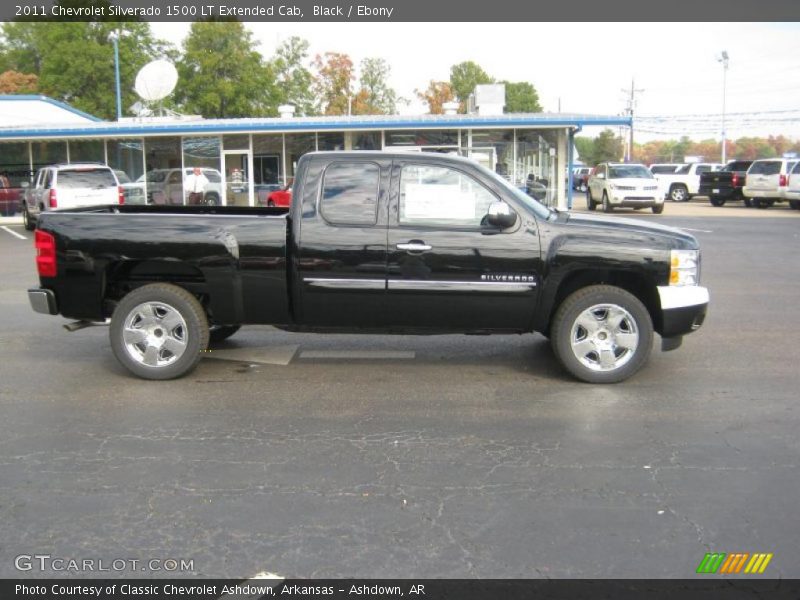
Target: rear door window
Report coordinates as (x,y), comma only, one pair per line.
(350,193)
(86,179)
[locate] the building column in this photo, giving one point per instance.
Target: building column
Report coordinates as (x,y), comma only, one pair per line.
(561,165)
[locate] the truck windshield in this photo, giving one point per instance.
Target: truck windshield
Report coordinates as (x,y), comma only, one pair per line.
(629,172)
(540,210)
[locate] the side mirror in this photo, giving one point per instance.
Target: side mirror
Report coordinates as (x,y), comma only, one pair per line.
(601,176)
(501,215)
(24,184)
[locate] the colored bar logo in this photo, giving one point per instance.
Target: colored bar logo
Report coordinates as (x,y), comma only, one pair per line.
(733,564)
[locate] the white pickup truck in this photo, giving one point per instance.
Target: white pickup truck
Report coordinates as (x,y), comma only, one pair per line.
(684,183)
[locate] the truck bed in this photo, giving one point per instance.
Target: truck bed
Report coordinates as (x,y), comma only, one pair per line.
(236,256)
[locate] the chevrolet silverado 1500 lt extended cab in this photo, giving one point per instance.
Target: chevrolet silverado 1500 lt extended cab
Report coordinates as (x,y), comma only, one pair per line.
(373,242)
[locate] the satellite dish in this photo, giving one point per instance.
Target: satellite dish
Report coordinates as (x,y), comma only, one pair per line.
(156,80)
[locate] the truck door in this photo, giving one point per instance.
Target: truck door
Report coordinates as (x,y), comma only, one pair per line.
(341,244)
(446,269)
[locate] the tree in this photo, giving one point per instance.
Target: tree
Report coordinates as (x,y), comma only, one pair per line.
(222,75)
(334,81)
(585,148)
(607,147)
(74,61)
(374,96)
(437,94)
(14,82)
(293,79)
(464,77)
(521,97)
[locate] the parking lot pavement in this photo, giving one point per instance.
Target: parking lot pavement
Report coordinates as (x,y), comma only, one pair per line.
(699,206)
(460,457)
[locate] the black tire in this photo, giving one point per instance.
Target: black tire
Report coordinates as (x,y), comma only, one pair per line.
(607,208)
(658,209)
(212,200)
(795,204)
(219,333)
(590,203)
(756,203)
(679,193)
(270,203)
(717,201)
(177,319)
(27,221)
(608,302)
(747,202)
(763,203)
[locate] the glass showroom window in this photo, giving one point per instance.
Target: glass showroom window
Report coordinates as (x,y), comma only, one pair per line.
(202,180)
(298,144)
(87,151)
(164,178)
(48,153)
(494,149)
(14,163)
(126,156)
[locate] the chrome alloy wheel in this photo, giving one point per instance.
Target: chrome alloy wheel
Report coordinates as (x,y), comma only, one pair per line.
(154,334)
(604,337)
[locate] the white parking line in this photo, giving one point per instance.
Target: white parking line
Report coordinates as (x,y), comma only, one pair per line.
(12,232)
(700,230)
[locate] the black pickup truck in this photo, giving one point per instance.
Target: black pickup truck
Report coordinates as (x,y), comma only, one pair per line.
(725,184)
(373,242)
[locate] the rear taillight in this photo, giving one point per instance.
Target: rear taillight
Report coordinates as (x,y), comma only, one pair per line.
(735,180)
(121,193)
(45,253)
(53,199)
(782,181)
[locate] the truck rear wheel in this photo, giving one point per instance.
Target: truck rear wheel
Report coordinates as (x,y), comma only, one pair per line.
(159,331)
(717,201)
(602,334)
(27,221)
(679,193)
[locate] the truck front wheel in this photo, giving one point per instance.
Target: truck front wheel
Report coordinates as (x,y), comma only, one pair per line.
(602,334)
(159,331)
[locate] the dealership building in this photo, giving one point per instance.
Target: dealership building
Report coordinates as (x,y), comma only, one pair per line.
(247,158)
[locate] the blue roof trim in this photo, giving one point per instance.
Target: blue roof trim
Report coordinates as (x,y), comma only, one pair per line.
(222,126)
(58,103)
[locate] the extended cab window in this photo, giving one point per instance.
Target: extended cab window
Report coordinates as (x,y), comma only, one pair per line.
(350,193)
(440,196)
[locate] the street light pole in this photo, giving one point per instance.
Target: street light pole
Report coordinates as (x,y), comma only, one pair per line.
(114,37)
(724,61)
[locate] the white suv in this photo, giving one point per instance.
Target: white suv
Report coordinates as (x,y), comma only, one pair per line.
(767,181)
(70,186)
(623,185)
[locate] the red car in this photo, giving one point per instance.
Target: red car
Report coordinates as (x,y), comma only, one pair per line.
(280,197)
(9,197)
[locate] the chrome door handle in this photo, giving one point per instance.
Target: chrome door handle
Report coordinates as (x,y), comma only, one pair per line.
(414,247)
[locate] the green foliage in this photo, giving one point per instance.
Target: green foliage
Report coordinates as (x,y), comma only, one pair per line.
(464,77)
(521,97)
(375,97)
(333,83)
(74,61)
(221,75)
(605,147)
(294,81)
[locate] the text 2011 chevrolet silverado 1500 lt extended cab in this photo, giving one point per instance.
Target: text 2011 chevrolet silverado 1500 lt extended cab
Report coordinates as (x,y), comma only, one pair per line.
(373,241)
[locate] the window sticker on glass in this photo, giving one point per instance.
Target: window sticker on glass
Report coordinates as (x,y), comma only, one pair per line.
(424,201)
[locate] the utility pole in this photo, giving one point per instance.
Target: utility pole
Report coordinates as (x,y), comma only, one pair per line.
(724,60)
(631,105)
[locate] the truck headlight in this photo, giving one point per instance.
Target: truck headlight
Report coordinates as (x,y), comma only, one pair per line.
(684,267)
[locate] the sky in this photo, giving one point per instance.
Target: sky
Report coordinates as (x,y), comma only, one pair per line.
(584,67)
